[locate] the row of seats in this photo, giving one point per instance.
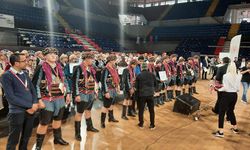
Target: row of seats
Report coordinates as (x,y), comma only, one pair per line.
(97,27)
(245,31)
(202,45)
(223,5)
(188,10)
(106,44)
(165,33)
(27,17)
(42,39)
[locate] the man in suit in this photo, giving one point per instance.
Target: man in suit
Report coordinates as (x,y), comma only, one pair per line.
(145,85)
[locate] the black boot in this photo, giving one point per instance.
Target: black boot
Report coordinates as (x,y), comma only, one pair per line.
(78,130)
(190,91)
(23,144)
(194,90)
(164,97)
(177,93)
(130,111)
(103,117)
(90,125)
(124,112)
(133,108)
(169,95)
(172,94)
(58,137)
(39,141)
(183,91)
(111,116)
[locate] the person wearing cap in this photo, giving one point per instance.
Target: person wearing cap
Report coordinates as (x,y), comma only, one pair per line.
(63,60)
(84,88)
(179,76)
(196,63)
(51,87)
(128,78)
(22,99)
(172,64)
(109,87)
(166,67)
(189,76)
(145,85)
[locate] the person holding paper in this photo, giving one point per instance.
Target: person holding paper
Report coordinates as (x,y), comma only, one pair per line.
(128,81)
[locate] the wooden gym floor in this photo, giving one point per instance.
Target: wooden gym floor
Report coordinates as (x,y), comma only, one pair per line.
(173,131)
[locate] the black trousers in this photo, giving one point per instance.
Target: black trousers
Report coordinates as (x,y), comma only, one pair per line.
(19,123)
(141,105)
(226,104)
(204,74)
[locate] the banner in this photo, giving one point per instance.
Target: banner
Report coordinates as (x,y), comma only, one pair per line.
(7,21)
(235,47)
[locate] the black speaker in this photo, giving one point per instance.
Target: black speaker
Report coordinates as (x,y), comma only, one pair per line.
(186,104)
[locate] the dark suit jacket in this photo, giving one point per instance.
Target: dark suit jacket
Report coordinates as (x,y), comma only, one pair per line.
(220,72)
(145,84)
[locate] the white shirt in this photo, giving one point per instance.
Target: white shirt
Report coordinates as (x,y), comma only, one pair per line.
(231,83)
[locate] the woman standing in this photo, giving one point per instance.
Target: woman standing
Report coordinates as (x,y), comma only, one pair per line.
(231,85)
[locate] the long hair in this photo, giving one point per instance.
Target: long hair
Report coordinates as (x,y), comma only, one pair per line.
(231,69)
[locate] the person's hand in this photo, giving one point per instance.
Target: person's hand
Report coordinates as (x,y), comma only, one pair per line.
(78,99)
(30,111)
(107,95)
(131,91)
(35,107)
(68,99)
(41,104)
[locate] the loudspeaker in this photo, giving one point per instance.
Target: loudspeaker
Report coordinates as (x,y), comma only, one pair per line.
(186,104)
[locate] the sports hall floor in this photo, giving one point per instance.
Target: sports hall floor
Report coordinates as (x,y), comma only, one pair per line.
(173,131)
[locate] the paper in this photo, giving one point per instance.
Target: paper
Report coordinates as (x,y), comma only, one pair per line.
(163,76)
(120,70)
(71,67)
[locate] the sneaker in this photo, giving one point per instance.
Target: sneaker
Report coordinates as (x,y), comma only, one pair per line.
(152,127)
(140,126)
(236,131)
(244,102)
(218,134)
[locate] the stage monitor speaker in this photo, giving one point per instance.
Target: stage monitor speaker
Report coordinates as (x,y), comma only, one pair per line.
(186,104)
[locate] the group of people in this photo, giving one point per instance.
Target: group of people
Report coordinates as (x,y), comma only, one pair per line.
(45,82)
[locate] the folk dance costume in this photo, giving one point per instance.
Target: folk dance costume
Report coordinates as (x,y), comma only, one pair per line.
(84,84)
(172,83)
(189,75)
(166,67)
(160,86)
(128,78)
(109,86)
(196,70)
(180,76)
(51,87)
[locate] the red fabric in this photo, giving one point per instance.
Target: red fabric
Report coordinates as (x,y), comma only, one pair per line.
(48,72)
(151,68)
(84,70)
(167,67)
(132,75)
(114,75)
